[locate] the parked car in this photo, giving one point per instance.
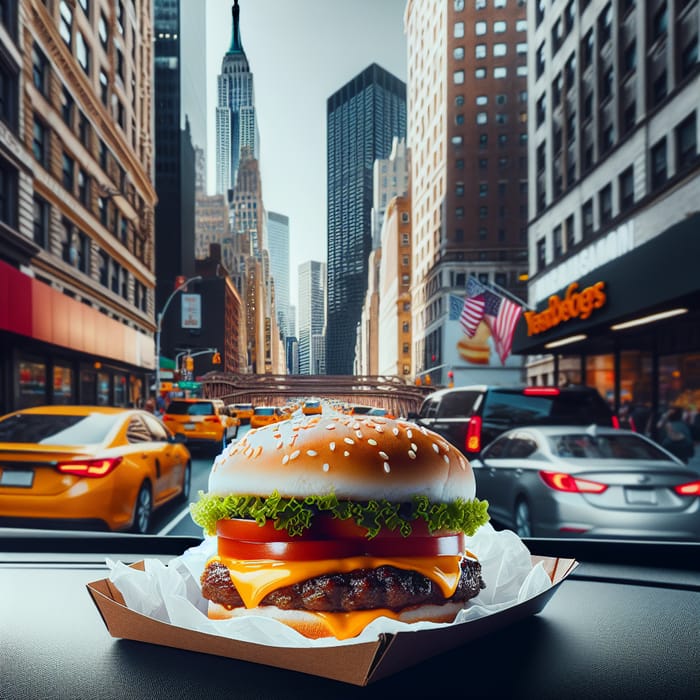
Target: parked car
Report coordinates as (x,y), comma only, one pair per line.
(471,417)
(264,415)
(242,411)
(593,482)
(202,421)
(88,466)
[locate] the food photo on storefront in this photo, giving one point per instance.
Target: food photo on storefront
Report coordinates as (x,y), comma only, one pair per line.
(627,324)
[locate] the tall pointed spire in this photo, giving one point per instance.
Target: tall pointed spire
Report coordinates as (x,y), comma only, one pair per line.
(236,45)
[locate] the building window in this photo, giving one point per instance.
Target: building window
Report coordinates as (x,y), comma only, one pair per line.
(83,53)
(40,70)
(483,212)
(104,269)
(499,27)
(458,77)
(481,118)
(83,245)
(480,28)
(500,49)
(500,72)
(605,204)
(482,100)
(539,60)
(541,107)
(480,51)
(570,233)
(103,31)
(627,189)
(41,221)
(459,30)
(40,143)
(8,194)
(521,25)
(458,53)
(659,22)
(83,187)
(68,169)
(480,73)
(605,25)
(587,218)
(65,28)
(483,190)
(67,107)
(686,142)
(659,168)
(104,87)
(541,254)
(84,130)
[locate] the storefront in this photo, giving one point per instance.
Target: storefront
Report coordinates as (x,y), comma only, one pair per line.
(56,350)
(630,326)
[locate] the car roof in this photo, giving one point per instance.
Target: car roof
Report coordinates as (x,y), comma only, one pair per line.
(75,410)
(554,430)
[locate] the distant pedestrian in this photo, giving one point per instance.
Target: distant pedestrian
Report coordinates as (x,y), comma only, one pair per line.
(675,434)
(150,405)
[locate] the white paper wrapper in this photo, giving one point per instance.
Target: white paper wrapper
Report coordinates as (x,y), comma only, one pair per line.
(171,593)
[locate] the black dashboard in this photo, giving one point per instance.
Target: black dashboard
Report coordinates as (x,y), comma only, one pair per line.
(624,624)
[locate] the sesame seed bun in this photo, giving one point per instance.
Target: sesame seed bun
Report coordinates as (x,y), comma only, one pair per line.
(354,457)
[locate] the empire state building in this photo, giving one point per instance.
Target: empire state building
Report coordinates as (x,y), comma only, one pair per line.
(236,123)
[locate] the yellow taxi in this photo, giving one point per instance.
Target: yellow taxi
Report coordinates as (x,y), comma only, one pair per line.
(242,411)
(311,407)
(202,421)
(92,467)
(264,415)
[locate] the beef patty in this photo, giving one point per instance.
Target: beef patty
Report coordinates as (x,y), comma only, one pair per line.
(362,589)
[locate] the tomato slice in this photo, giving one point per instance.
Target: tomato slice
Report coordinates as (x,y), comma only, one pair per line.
(250,531)
(288,551)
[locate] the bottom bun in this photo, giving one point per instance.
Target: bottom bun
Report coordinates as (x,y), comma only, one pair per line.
(315,626)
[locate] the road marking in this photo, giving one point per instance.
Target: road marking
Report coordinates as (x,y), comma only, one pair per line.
(173,522)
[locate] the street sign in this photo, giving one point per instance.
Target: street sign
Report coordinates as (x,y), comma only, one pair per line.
(189,385)
(166,386)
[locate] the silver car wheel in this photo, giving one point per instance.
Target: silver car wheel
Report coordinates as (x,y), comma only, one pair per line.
(523,519)
(143,510)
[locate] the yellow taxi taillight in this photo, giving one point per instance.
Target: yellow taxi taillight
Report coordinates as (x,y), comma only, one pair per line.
(95,468)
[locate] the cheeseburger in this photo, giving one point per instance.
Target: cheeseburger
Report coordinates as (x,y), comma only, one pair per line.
(327,523)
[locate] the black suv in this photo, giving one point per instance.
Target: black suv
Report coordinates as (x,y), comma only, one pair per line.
(470,417)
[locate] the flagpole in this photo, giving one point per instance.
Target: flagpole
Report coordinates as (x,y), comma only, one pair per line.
(508,294)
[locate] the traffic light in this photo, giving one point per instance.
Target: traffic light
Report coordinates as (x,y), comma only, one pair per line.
(216,358)
(189,363)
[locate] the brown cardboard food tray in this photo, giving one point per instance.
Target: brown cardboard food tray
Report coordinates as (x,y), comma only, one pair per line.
(359,664)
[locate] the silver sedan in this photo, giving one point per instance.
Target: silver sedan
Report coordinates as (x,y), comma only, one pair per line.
(596,482)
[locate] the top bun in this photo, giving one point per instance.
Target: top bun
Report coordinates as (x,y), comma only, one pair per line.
(354,457)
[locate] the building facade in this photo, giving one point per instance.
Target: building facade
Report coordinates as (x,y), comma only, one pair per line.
(614,232)
(236,123)
(467,131)
(312,313)
(76,204)
(278,242)
(362,117)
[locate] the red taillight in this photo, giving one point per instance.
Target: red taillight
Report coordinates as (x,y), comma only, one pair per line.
(89,467)
(616,422)
(692,488)
(541,391)
(167,418)
(212,419)
(565,482)
(472,443)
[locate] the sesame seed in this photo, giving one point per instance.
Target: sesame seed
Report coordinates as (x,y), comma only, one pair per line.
(332,446)
(346,453)
(326,467)
(379,429)
(359,434)
(279,444)
(411,454)
(414,447)
(311,453)
(372,442)
(409,433)
(330,427)
(446,458)
(356,426)
(294,454)
(387,468)
(436,448)
(285,459)
(249,452)
(395,431)
(348,441)
(257,452)
(383,455)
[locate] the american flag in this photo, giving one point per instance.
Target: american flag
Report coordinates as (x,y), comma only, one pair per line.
(474,304)
(501,317)
(500,314)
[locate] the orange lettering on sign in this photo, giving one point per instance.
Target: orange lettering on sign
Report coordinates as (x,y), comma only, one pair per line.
(575,304)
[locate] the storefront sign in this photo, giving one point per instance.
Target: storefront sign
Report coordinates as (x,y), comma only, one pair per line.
(611,246)
(575,304)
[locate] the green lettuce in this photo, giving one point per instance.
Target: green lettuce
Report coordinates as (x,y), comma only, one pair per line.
(295,515)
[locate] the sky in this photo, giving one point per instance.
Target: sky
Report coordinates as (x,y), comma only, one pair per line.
(300,52)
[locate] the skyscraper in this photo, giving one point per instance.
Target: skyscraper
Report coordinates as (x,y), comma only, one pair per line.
(236,123)
(312,316)
(363,117)
(278,243)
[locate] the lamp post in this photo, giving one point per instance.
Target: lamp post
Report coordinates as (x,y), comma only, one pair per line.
(159,324)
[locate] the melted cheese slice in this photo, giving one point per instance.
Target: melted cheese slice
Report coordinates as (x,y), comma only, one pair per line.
(254,579)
